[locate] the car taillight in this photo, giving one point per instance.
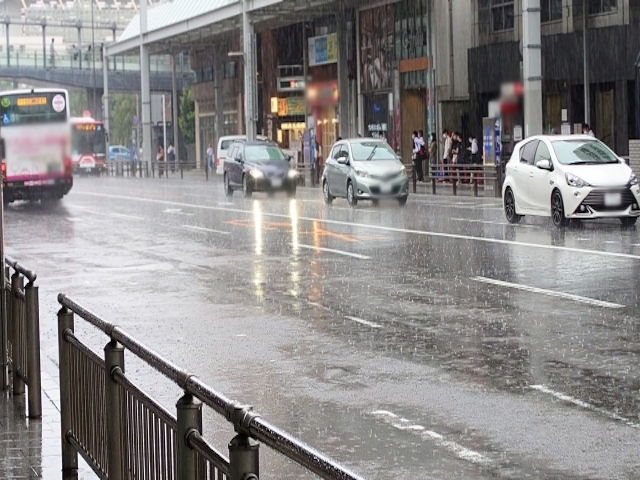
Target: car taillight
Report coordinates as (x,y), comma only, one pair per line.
(4,171)
(217,161)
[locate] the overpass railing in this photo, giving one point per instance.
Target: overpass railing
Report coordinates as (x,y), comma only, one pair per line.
(23,335)
(122,432)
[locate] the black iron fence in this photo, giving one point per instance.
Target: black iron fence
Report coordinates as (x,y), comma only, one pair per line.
(122,432)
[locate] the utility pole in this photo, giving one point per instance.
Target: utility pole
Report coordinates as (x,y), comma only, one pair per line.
(249,73)
(532,67)
(93,55)
(585,61)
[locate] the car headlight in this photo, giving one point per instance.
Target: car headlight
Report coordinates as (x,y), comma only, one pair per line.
(256,173)
(633,180)
(362,173)
(575,181)
(402,172)
(292,173)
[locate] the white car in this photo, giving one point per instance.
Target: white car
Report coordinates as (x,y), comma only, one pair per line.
(569,177)
(224,143)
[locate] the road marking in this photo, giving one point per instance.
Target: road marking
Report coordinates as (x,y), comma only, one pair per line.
(456,236)
(552,293)
(331,250)
(123,215)
(318,305)
(205,230)
(364,322)
(585,405)
(489,222)
(458,450)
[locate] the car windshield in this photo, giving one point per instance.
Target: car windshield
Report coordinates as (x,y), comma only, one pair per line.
(372,151)
(583,152)
(264,153)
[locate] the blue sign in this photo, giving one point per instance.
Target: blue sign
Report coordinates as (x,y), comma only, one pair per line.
(5,119)
(487,142)
(498,141)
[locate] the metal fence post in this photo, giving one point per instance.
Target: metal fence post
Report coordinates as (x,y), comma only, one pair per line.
(69,454)
(17,284)
(114,361)
(243,458)
(189,420)
(33,349)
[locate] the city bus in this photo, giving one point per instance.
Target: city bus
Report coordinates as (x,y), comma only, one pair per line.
(88,146)
(34,128)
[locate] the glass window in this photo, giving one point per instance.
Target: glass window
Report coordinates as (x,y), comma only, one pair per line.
(542,153)
(334,152)
(583,152)
(502,15)
(268,153)
(372,151)
(550,10)
(37,107)
(602,6)
(527,153)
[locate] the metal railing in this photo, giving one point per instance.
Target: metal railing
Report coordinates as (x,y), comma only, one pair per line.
(124,433)
(486,178)
(23,334)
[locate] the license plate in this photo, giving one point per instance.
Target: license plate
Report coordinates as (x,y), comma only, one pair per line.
(276,182)
(612,199)
(386,188)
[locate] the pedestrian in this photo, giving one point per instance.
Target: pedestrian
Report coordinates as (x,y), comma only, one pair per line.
(433,156)
(160,160)
(52,52)
(171,153)
(474,158)
(424,157)
(446,152)
(456,156)
(417,160)
(586,130)
(210,158)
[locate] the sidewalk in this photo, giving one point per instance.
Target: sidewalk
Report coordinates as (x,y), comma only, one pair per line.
(32,448)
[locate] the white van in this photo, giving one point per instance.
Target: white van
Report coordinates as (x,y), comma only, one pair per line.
(223,146)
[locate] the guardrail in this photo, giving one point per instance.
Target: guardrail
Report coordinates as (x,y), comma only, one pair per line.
(122,432)
(478,177)
(23,335)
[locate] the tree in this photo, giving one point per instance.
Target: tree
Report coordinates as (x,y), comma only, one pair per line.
(78,103)
(187,119)
(122,107)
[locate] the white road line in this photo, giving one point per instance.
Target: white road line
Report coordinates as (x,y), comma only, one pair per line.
(427,233)
(458,450)
(331,250)
(364,322)
(123,215)
(585,405)
(552,293)
(205,230)
(489,222)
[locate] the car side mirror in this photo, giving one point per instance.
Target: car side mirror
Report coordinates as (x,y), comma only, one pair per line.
(544,164)
(289,158)
(342,160)
(239,159)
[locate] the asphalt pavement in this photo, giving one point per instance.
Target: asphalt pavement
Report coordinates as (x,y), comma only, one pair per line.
(434,341)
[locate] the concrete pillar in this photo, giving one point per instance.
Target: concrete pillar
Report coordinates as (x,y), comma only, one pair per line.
(174,109)
(585,61)
(250,70)
(144,87)
(6,26)
(219,60)
(532,67)
(105,96)
(198,139)
(343,73)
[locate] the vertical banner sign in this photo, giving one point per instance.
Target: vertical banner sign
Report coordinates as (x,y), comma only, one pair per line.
(312,144)
(498,140)
(487,143)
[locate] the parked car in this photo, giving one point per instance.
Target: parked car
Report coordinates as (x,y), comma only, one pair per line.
(364,169)
(569,177)
(258,166)
(223,147)
(118,152)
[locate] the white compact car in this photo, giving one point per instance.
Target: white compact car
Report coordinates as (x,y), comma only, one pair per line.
(569,177)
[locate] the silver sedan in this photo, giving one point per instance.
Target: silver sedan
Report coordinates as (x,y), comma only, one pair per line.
(364,169)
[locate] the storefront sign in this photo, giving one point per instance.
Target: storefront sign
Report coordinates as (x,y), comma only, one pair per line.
(376,47)
(296,106)
(322,94)
(282,107)
(376,115)
(291,84)
(323,50)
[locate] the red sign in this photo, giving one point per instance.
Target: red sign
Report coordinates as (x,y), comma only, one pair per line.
(86,113)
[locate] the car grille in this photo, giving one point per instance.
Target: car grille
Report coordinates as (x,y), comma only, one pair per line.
(276,175)
(595,199)
(386,177)
(394,191)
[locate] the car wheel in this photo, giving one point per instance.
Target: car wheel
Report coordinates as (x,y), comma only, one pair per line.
(291,191)
(510,207)
(247,191)
(326,194)
(557,210)
(228,191)
(351,195)
(628,221)
(402,201)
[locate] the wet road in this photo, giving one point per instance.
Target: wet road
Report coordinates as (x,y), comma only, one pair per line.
(434,341)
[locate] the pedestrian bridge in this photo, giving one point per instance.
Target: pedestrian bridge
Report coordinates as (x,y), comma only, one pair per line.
(72,72)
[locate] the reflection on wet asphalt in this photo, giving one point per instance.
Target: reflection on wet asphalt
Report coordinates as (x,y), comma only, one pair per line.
(434,341)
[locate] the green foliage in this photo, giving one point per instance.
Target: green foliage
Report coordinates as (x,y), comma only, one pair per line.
(187,119)
(122,107)
(78,103)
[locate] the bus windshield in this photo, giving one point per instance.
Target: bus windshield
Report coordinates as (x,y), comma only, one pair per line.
(33,108)
(88,138)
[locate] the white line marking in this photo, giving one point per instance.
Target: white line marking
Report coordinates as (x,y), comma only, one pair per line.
(458,450)
(74,219)
(364,322)
(455,236)
(123,215)
(552,293)
(489,222)
(205,230)
(585,405)
(331,250)
(318,305)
